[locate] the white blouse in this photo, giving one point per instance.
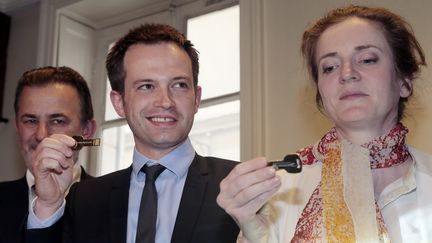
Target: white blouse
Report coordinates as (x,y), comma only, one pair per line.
(406,204)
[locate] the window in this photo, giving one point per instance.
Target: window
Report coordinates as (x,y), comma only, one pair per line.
(214,30)
(216,130)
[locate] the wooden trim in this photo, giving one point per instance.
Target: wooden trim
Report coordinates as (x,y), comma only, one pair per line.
(252,99)
(5,22)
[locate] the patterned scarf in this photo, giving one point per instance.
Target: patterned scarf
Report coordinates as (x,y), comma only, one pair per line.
(342,208)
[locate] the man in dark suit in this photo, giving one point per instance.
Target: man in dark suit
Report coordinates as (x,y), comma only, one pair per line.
(153,72)
(47,100)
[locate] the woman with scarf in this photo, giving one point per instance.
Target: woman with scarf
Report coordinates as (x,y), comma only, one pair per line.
(361,182)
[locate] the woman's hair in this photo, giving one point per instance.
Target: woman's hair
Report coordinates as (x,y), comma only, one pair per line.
(407,52)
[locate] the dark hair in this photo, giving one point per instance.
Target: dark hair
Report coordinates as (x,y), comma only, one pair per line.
(146,34)
(407,52)
(44,76)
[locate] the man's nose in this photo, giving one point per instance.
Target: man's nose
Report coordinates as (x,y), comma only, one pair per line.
(42,131)
(164,99)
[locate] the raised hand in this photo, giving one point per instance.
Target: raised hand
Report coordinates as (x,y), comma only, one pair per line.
(244,192)
(52,166)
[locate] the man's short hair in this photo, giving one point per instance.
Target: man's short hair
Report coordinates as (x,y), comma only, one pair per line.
(147,34)
(45,76)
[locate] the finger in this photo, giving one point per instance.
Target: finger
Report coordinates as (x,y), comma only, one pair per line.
(48,158)
(256,194)
(68,140)
(235,186)
(242,169)
(248,211)
(54,144)
(241,197)
(48,165)
(247,167)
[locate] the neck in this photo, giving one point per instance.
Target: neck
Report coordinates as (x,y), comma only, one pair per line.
(156,152)
(362,135)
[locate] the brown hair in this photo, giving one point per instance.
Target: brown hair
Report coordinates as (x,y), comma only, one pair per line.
(44,76)
(407,52)
(146,34)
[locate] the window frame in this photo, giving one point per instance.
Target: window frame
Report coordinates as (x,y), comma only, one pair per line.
(252,100)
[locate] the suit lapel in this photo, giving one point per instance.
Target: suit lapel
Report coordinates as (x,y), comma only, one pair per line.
(118,206)
(84,175)
(191,201)
(13,210)
(22,204)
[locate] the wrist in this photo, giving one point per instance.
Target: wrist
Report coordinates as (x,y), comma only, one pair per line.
(44,209)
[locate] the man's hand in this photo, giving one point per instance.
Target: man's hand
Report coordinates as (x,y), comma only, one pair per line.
(243,193)
(52,167)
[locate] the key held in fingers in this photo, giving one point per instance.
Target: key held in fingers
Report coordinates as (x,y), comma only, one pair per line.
(81,142)
(291,163)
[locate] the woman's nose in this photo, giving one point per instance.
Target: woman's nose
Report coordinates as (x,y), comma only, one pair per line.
(349,73)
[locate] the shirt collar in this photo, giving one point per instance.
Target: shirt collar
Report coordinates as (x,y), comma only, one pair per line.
(176,161)
(403,185)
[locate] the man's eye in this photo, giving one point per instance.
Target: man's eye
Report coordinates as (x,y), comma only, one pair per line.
(57,121)
(182,85)
(146,86)
(30,121)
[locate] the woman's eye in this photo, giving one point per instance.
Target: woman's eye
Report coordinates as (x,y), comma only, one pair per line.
(369,60)
(328,69)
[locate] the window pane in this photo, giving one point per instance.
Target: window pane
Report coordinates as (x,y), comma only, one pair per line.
(216,37)
(216,131)
(117,149)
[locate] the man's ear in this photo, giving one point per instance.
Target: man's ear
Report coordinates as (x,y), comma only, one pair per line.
(406,87)
(89,129)
(197,98)
(117,102)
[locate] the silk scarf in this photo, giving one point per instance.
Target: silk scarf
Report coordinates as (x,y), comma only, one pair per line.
(343,208)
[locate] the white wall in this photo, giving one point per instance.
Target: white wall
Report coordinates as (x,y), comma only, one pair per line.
(21,56)
(292,121)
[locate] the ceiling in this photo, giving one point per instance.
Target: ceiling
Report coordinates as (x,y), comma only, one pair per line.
(99,10)
(9,5)
(93,10)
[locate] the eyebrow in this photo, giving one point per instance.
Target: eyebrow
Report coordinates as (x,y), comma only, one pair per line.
(150,80)
(182,77)
(357,48)
(27,115)
(56,115)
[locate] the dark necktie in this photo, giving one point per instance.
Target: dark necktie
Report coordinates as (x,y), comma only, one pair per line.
(146,227)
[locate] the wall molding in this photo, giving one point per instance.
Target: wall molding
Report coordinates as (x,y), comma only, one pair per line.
(252,93)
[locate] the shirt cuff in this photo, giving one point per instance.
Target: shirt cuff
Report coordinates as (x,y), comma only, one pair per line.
(33,222)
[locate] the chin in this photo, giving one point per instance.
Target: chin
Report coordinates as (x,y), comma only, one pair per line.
(354,115)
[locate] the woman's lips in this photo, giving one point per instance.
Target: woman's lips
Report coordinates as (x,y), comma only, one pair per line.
(352,95)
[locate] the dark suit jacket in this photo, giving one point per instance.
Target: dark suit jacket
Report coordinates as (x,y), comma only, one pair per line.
(96,210)
(14,208)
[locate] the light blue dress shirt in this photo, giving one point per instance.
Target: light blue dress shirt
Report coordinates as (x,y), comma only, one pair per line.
(169,186)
